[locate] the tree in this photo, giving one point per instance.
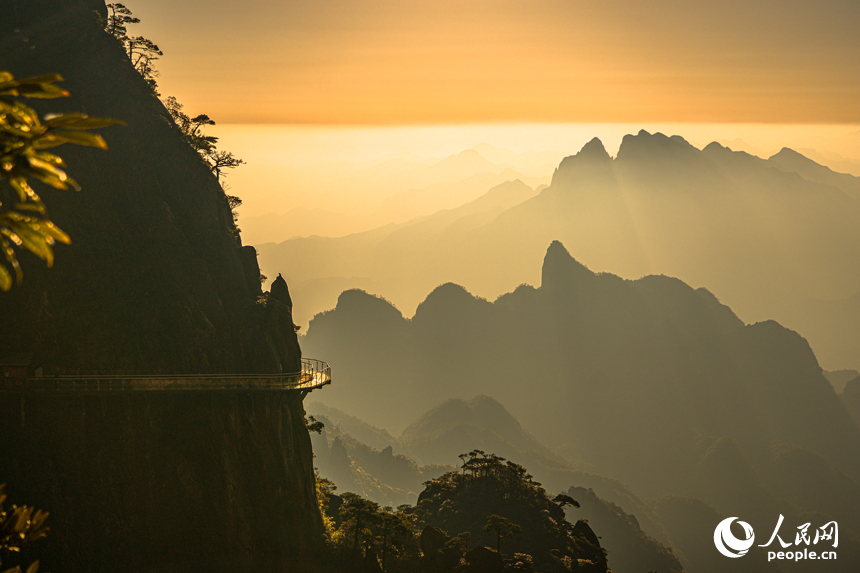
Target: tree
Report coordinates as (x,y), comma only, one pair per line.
(314,425)
(118,18)
(220,160)
(395,528)
(563,500)
(502,527)
(489,485)
(24,220)
(358,515)
(205,145)
(143,53)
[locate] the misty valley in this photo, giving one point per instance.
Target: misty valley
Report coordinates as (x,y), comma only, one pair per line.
(545,359)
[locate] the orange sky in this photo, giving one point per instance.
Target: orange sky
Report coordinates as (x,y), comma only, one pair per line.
(466,61)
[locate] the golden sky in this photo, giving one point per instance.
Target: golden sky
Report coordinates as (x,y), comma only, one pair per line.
(472,61)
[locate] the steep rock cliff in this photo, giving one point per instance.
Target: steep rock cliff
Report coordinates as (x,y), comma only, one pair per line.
(156,281)
(204,481)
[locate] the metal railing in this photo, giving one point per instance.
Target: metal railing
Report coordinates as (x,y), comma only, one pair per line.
(314,374)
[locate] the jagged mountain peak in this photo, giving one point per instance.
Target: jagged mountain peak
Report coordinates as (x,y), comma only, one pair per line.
(560,268)
(593,154)
(594,149)
(646,145)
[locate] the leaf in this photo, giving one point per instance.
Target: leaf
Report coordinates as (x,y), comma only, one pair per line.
(57,233)
(47,141)
(80,121)
(38,87)
(42,91)
(37,244)
(19,111)
(5,279)
(24,190)
(90,139)
(33,568)
(46,79)
(29,207)
(48,173)
(50,158)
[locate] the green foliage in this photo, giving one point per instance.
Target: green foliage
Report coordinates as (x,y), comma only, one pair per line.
(24,221)
(473,502)
(488,487)
(19,526)
(502,527)
(314,425)
(358,529)
(325,489)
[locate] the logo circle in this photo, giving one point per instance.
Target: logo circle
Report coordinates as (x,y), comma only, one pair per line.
(727,543)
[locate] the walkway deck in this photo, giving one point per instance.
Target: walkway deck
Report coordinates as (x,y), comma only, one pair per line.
(315,374)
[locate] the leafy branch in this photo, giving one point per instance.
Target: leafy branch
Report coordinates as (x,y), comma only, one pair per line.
(19,526)
(24,221)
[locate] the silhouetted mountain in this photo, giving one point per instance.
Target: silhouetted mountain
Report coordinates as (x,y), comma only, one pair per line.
(630,549)
(649,381)
(358,429)
(831,327)
(482,423)
(761,234)
(851,398)
(839,378)
(349,261)
(792,161)
(691,524)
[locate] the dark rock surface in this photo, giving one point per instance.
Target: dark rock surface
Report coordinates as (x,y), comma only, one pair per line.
(156,281)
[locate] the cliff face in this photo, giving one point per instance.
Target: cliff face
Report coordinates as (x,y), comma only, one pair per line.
(156,281)
(208,481)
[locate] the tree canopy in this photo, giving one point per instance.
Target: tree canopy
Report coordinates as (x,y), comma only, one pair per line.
(489,502)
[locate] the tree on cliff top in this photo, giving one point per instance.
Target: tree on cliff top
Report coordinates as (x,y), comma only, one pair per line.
(24,220)
(143,53)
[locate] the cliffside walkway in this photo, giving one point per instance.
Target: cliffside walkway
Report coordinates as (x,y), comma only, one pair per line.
(315,374)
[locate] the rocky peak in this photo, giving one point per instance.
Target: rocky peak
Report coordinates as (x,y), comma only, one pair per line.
(560,270)
(592,155)
(655,146)
(281,292)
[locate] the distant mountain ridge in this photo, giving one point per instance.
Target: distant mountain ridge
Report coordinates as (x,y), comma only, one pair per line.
(762,234)
(649,381)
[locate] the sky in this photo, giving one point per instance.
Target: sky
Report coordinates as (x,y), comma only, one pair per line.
(392,62)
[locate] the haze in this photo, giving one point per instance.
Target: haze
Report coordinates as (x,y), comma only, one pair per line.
(389,62)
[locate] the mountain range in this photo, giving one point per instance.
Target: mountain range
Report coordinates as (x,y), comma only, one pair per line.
(649,382)
(762,235)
